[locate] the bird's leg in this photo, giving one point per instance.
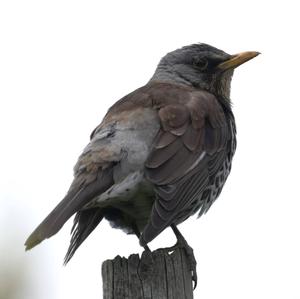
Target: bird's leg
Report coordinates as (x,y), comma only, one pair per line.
(138,234)
(181,242)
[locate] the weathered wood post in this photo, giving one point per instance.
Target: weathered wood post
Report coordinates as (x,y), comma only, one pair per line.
(156,275)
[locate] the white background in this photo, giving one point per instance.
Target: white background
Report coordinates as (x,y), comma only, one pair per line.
(63,63)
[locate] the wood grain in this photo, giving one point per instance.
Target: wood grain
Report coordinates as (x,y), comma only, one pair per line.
(155,275)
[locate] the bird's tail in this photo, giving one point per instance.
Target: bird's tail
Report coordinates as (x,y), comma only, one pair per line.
(85,222)
(75,200)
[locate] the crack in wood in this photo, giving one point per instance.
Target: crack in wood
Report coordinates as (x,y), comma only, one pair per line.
(155,275)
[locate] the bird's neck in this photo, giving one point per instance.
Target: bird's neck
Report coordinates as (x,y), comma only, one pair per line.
(219,83)
(165,74)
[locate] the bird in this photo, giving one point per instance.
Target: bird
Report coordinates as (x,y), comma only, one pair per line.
(161,154)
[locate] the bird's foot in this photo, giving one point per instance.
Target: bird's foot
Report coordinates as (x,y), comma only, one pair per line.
(190,256)
(182,243)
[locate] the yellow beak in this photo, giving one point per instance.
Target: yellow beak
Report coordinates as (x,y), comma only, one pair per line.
(237,60)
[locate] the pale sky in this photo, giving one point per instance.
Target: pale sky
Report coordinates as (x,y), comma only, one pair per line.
(63,63)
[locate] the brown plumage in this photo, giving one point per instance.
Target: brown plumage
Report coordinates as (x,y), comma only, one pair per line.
(161,153)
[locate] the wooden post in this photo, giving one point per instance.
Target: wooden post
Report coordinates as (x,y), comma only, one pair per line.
(156,275)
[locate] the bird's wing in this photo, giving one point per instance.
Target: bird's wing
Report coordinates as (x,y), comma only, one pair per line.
(189,148)
(93,174)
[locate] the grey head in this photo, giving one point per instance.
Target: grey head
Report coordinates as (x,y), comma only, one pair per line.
(201,66)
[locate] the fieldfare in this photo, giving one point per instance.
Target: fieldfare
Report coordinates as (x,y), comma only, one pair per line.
(161,153)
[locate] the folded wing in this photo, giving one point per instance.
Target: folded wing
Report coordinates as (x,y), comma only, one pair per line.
(188,150)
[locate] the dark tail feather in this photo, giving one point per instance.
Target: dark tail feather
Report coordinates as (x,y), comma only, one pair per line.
(72,203)
(85,222)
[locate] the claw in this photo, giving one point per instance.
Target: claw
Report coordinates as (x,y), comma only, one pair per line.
(192,261)
(181,242)
(193,264)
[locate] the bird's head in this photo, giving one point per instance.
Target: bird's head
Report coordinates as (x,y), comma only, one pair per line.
(201,66)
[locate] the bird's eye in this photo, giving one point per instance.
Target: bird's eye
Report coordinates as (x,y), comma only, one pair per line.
(201,63)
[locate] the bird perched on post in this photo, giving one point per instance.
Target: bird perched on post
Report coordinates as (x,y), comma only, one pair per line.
(161,153)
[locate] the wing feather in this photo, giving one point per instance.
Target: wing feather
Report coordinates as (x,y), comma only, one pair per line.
(75,200)
(189,149)
(93,174)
